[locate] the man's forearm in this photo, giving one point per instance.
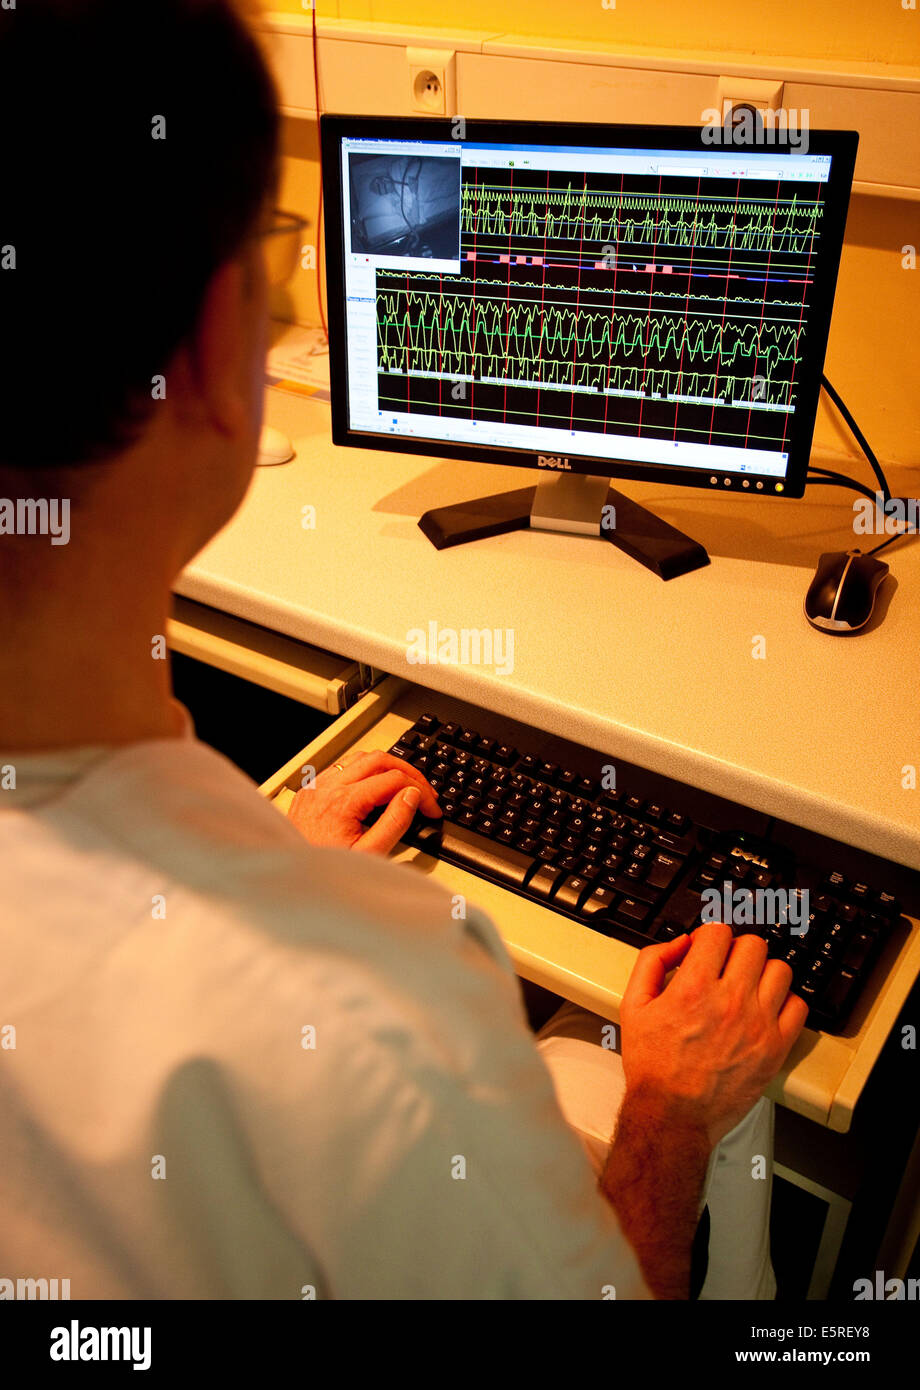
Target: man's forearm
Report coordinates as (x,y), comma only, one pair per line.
(653,1179)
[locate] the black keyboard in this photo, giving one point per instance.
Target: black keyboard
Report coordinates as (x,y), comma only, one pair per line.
(636,869)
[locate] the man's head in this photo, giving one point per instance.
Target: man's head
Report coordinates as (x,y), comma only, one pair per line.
(138,145)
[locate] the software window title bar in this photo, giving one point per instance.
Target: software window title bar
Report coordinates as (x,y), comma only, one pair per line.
(702,163)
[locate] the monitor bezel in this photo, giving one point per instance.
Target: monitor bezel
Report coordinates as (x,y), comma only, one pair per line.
(839,144)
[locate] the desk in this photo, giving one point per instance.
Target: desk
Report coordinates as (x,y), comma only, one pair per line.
(816,732)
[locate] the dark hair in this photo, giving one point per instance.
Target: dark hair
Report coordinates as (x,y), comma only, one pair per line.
(116,233)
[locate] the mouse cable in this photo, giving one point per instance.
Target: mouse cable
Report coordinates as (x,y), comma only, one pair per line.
(840,480)
(831,479)
(826,476)
(891,540)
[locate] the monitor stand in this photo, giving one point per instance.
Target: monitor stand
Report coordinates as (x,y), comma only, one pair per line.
(574,502)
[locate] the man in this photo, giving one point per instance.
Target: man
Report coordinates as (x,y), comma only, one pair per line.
(244,1056)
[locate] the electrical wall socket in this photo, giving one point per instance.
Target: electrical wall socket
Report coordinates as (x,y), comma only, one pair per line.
(749,91)
(432,81)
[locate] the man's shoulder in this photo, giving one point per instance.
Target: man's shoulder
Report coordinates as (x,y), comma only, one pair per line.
(229,860)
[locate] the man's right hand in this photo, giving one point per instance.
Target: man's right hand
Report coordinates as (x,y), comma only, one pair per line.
(702,1047)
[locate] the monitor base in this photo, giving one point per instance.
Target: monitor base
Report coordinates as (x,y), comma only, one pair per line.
(635,530)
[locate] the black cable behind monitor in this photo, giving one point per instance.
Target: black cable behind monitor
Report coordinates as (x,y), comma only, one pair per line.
(828,478)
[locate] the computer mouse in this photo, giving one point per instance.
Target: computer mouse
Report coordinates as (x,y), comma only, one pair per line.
(274,446)
(843,592)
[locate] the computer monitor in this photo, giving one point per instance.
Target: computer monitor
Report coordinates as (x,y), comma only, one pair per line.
(594,301)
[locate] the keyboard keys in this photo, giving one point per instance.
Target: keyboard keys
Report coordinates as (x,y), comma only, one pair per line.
(664,869)
(858,952)
(676,844)
(599,900)
(630,867)
(840,993)
(571,891)
(631,884)
(544,881)
(633,912)
(471,850)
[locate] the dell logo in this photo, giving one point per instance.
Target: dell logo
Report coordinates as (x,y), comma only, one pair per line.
(551,461)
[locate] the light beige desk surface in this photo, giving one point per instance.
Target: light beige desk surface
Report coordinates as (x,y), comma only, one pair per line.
(605,653)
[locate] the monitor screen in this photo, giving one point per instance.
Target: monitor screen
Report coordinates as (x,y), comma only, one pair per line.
(622,301)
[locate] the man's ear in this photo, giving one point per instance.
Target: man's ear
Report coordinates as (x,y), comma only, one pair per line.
(216,349)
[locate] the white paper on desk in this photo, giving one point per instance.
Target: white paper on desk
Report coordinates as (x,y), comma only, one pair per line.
(301,355)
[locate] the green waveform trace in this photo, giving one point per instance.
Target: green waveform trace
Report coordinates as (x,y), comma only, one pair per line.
(558,348)
(603,217)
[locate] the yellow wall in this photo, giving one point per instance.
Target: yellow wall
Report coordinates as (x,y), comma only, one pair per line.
(873,30)
(298,301)
(872,353)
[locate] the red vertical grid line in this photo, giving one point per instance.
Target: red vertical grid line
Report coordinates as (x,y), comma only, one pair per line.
(683,344)
(763,302)
(728,271)
(581,243)
(407,344)
(613,302)
(473,313)
(508,303)
(542,296)
(805,284)
(440,341)
(648,315)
